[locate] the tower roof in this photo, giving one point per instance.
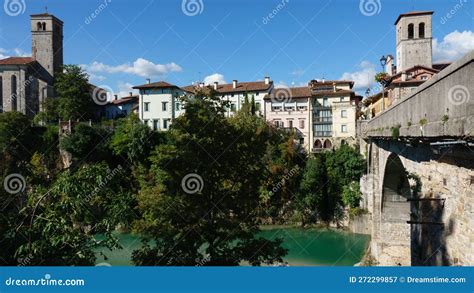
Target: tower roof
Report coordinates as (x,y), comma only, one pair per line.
(413,13)
(45,15)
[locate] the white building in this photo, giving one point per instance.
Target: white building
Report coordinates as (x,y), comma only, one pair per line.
(120,107)
(235,93)
(159,104)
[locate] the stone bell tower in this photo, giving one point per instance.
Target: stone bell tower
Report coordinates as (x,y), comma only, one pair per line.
(414,40)
(47,41)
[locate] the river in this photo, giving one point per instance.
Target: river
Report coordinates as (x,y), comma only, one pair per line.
(306,247)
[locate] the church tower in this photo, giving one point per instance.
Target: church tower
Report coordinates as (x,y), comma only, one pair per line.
(414,40)
(47,41)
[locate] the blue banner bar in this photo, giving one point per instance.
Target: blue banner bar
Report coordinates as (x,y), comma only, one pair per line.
(237,279)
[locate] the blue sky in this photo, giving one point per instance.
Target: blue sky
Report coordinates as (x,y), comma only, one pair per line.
(128,41)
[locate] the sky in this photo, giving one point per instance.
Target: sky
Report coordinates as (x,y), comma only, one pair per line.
(121,43)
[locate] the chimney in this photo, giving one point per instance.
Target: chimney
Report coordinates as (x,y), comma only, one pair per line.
(131,94)
(334,86)
(234,83)
(116,97)
(148,81)
(324,80)
(201,84)
(267,80)
(215,85)
(404,76)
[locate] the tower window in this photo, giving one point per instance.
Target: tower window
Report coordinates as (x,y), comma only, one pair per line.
(39,26)
(44,26)
(421,30)
(410,31)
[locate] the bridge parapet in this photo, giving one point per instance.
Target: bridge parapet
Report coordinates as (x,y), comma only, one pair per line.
(441,107)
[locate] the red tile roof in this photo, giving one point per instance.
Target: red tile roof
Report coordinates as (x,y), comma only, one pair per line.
(125,100)
(319,83)
(16,61)
(156,85)
(413,13)
(228,87)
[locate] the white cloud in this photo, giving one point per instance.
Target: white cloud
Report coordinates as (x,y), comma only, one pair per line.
(453,46)
(210,79)
(125,88)
(281,84)
(95,78)
(20,53)
(140,67)
(5,53)
(362,78)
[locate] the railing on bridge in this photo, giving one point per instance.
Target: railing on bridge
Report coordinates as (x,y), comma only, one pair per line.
(441,107)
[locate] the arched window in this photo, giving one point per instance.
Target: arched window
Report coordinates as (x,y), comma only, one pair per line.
(44,26)
(410,31)
(13,93)
(318,144)
(421,30)
(327,144)
(39,26)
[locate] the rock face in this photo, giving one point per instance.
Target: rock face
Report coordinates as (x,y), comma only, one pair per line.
(434,226)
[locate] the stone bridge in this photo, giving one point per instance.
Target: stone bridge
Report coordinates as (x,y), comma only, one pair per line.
(419,189)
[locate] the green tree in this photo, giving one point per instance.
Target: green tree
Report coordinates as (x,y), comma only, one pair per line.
(74,94)
(60,222)
(202,208)
(86,143)
(133,140)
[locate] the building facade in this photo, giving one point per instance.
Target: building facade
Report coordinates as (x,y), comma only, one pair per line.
(288,108)
(234,93)
(159,104)
(26,81)
(333,116)
(120,107)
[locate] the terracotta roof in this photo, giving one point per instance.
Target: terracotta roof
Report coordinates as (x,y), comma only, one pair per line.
(125,100)
(318,83)
(16,61)
(228,87)
(332,93)
(156,85)
(413,13)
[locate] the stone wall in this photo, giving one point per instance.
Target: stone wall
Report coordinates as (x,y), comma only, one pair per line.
(446,178)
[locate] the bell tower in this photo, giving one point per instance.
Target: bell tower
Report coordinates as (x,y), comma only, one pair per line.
(414,40)
(47,41)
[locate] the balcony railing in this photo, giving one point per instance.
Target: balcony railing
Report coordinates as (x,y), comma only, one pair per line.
(323,133)
(322,119)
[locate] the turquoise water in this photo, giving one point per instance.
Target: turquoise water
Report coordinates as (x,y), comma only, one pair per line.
(307,247)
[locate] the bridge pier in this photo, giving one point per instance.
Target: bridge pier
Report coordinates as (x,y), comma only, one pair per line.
(429,226)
